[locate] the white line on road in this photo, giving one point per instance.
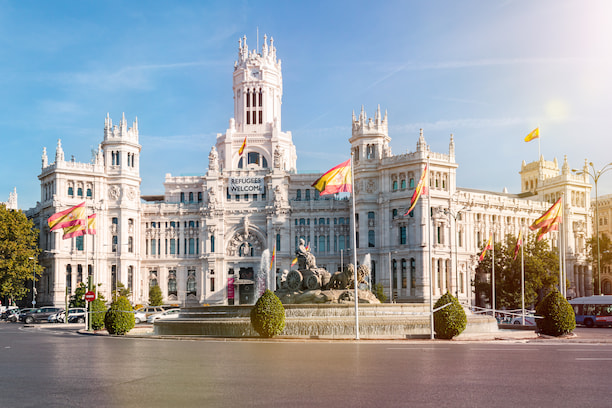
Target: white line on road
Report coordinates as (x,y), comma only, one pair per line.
(504,349)
(594,359)
(417,348)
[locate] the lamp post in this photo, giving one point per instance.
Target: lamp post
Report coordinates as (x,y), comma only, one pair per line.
(595,174)
(455,215)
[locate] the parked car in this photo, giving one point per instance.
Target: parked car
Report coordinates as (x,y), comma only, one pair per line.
(60,317)
(23,312)
(38,315)
(529,320)
(140,316)
(9,310)
(76,315)
(168,314)
(148,311)
(11,315)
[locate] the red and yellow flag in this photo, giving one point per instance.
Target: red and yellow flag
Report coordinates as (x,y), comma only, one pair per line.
(421,189)
(519,242)
(84,227)
(67,218)
(294,261)
(241,150)
(549,221)
(535,133)
(273,256)
(336,180)
(487,247)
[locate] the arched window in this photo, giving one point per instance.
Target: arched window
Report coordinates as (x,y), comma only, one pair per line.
(412,273)
(191,283)
(404,274)
(172,283)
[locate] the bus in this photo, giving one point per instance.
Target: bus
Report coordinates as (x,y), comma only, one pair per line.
(593,310)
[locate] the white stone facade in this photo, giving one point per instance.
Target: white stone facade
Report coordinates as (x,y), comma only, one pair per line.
(202,240)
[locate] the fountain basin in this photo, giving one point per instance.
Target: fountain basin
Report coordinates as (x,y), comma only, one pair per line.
(335,321)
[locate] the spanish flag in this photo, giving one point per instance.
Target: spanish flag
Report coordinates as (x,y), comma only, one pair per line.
(273,256)
(67,218)
(519,242)
(242,147)
(294,261)
(549,221)
(336,180)
(82,228)
(421,189)
(535,133)
(488,246)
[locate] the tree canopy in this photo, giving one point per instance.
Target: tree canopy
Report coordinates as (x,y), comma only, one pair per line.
(18,253)
(605,256)
(541,272)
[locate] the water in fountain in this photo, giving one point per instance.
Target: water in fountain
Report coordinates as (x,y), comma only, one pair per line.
(261,279)
(367,260)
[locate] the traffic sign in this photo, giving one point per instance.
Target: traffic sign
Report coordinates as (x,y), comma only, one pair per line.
(90,296)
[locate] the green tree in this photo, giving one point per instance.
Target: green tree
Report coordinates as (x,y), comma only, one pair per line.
(268,315)
(18,254)
(451,320)
(121,291)
(98,311)
(605,257)
(155,296)
(558,315)
(379,292)
(541,272)
(119,318)
(78,299)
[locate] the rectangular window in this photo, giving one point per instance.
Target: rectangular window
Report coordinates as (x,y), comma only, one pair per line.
(79,243)
(191,246)
(371,239)
(153,247)
(278,242)
(173,246)
(402,237)
(212,284)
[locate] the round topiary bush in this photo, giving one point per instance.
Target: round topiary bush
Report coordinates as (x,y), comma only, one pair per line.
(119,318)
(268,315)
(451,320)
(557,315)
(98,310)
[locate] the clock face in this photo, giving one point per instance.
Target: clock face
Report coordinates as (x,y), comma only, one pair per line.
(255,72)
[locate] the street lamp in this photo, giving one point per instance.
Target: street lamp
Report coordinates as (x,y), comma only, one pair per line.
(455,215)
(595,174)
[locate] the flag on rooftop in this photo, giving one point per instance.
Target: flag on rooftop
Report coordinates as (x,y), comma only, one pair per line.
(336,180)
(534,134)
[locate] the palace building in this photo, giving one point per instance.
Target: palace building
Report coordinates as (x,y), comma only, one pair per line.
(203,239)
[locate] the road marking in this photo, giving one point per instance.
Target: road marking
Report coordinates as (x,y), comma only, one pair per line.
(594,358)
(504,349)
(417,348)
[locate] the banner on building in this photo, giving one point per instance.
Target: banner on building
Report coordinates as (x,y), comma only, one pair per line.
(246,185)
(230,288)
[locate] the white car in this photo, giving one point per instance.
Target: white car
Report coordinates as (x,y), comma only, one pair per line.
(168,314)
(529,320)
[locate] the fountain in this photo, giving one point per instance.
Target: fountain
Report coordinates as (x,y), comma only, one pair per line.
(317,305)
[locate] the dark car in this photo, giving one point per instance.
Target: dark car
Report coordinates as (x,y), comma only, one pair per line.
(10,315)
(40,314)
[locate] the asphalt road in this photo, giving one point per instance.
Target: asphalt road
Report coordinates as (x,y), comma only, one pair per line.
(55,367)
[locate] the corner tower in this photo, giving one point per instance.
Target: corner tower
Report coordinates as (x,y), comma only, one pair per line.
(258,91)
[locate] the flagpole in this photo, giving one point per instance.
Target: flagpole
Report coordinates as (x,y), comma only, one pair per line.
(539,137)
(431,283)
(560,243)
(87,272)
(493,273)
(522,284)
(356,283)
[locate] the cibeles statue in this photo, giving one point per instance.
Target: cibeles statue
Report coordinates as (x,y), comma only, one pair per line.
(311,284)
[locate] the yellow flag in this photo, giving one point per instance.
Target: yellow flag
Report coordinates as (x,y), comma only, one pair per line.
(535,133)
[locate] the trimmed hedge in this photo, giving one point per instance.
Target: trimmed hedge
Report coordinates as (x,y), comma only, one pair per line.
(98,311)
(268,315)
(119,318)
(451,320)
(558,315)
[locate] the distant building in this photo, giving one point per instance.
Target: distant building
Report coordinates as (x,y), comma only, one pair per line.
(203,239)
(11,204)
(605,228)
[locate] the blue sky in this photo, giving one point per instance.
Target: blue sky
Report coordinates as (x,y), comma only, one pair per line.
(487,71)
